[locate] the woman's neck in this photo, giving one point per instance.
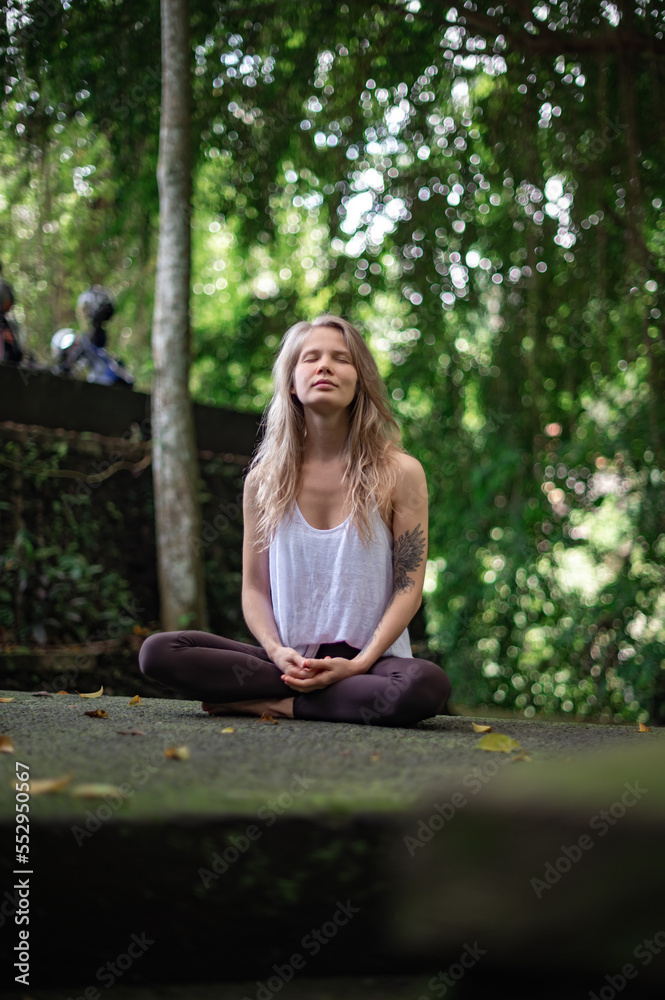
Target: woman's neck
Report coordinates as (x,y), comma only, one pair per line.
(325,436)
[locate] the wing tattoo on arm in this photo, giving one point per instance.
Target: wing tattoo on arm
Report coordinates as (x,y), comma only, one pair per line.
(408,554)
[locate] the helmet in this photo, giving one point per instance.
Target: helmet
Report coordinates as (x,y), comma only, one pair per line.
(94,306)
(62,339)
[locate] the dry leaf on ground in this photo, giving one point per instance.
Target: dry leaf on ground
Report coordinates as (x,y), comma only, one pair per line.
(498,742)
(96,790)
(6,699)
(130,732)
(228,729)
(177,753)
(42,786)
(375,756)
(93,694)
(42,694)
(97,713)
(62,692)
(478,728)
(6,745)
(136,700)
(522,756)
(644,729)
(267,717)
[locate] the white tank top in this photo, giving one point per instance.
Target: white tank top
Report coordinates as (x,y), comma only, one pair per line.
(326,586)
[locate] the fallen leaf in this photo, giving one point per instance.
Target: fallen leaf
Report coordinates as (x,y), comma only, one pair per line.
(375,756)
(98,713)
(643,728)
(6,745)
(498,742)
(62,692)
(177,753)
(130,732)
(522,756)
(45,785)
(477,728)
(135,700)
(228,729)
(96,791)
(94,694)
(42,694)
(6,699)
(266,717)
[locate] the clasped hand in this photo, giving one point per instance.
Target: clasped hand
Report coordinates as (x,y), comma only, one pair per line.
(313,674)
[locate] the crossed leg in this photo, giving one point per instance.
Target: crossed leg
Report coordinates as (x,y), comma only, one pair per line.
(229,676)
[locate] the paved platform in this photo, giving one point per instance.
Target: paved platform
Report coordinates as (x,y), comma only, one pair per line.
(276,856)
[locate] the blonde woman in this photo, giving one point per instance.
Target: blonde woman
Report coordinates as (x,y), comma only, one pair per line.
(335,543)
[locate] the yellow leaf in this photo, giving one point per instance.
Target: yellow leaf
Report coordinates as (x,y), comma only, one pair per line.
(375,756)
(177,753)
(96,790)
(98,713)
(522,756)
(266,717)
(6,699)
(6,745)
(62,692)
(498,742)
(43,785)
(135,700)
(95,694)
(644,729)
(228,729)
(481,729)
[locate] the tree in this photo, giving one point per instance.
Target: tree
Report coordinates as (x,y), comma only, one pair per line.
(175,465)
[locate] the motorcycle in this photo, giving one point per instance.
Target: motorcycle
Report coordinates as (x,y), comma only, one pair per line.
(85,354)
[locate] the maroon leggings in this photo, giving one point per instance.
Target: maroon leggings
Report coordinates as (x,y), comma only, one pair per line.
(395,691)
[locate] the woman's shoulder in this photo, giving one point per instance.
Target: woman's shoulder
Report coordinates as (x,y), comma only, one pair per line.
(251,484)
(410,479)
(408,466)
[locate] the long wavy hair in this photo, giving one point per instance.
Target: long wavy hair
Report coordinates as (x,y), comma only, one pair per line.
(370,448)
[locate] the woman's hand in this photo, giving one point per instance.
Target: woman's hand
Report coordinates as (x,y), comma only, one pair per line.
(289,662)
(317,674)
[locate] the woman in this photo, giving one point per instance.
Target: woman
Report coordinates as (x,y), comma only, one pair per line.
(326,591)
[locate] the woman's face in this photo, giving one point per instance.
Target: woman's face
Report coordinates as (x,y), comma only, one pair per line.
(325,378)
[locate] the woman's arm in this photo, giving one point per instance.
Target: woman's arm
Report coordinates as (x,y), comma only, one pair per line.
(410,531)
(256,603)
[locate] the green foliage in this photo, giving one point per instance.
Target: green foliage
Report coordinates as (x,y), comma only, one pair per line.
(482,194)
(55,595)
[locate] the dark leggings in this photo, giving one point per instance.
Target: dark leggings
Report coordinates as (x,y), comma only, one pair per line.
(395,691)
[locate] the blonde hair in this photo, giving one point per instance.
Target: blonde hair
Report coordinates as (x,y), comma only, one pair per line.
(370,469)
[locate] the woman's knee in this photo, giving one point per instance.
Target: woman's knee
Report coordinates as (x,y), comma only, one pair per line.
(422,693)
(154,653)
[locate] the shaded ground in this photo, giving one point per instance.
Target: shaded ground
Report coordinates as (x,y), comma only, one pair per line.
(344,767)
(402,849)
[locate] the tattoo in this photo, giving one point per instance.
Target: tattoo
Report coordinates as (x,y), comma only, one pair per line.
(407,556)
(408,552)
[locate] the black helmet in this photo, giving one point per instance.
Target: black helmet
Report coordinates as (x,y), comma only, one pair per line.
(95,306)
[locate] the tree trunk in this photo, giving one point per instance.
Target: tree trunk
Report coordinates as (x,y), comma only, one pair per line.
(175,464)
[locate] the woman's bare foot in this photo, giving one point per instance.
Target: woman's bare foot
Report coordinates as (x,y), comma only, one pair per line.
(281,709)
